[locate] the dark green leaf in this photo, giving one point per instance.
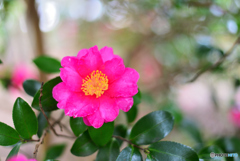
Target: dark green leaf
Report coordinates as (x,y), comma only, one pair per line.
(150,158)
(137,98)
(169,151)
(42,123)
(102,135)
(205,153)
(174,110)
(83,146)
(14,150)
(51,160)
(31,87)
(8,135)
(132,114)
(229,145)
(120,130)
(55,151)
(130,154)
(47,64)
(77,125)
(48,102)
(109,152)
(191,128)
(1,61)
(24,119)
(152,128)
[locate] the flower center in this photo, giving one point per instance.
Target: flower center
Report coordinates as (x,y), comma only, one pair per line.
(95,83)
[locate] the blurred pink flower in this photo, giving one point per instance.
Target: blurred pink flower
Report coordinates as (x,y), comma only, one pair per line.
(95,86)
(20,74)
(235,116)
(20,158)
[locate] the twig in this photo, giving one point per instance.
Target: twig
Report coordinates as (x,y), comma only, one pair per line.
(218,63)
(44,114)
(40,142)
(129,142)
(32,140)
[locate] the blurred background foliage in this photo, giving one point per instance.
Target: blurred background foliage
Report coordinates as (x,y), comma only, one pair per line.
(166,41)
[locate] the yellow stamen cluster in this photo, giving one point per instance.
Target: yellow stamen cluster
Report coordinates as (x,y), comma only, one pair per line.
(95,83)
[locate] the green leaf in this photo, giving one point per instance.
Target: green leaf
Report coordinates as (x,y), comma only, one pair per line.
(150,158)
(205,153)
(1,61)
(77,125)
(42,123)
(137,98)
(31,87)
(130,154)
(174,110)
(191,128)
(120,130)
(83,146)
(102,135)
(14,150)
(24,119)
(169,151)
(47,64)
(8,135)
(229,145)
(48,102)
(152,128)
(109,152)
(55,151)
(132,114)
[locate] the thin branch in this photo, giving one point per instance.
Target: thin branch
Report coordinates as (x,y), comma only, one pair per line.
(44,114)
(32,140)
(40,142)
(218,63)
(129,142)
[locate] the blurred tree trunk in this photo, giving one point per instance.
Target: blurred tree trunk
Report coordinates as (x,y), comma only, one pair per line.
(34,31)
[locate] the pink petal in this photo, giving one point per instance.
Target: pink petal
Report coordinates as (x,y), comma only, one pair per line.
(82,53)
(85,120)
(20,157)
(113,69)
(108,108)
(70,61)
(61,93)
(90,62)
(96,119)
(79,105)
(71,78)
(125,86)
(124,104)
(107,54)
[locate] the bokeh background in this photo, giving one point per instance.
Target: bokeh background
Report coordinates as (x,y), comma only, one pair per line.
(166,41)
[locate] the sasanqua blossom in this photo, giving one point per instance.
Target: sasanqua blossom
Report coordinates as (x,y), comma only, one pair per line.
(96,85)
(20,158)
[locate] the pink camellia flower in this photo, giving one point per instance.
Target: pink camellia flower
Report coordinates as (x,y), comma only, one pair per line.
(20,158)
(95,86)
(235,116)
(20,74)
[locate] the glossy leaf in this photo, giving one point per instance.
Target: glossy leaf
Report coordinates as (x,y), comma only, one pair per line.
(132,114)
(55,151)
(83,145)
(47,64)
(137,98)
(109,152)
(48,102)
(130,154)
(102,135)
(191,128)
(77,125)
(120,130)
(205,153)
(169,151)
(14,150)
(152,128)
(42,123)
(8,135)
(24,119)
(31,87)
